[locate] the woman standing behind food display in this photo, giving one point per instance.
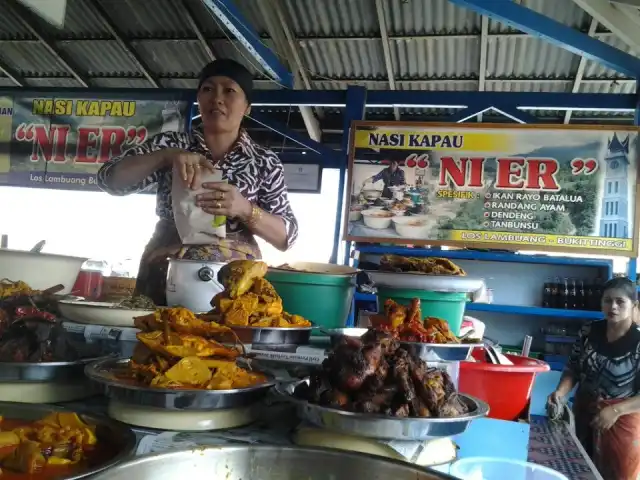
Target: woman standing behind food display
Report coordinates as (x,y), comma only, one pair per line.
(605,364)
(253,196)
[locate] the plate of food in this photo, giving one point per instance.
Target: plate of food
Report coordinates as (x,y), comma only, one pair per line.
(250,306)
(375,388)
(177,365)
(47,442)
(110,314)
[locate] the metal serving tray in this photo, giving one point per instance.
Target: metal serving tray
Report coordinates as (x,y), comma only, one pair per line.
(44,371)
(171,399)
(421,281)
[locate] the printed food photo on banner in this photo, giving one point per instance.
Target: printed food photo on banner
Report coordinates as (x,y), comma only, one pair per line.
(557,188)
(62,142)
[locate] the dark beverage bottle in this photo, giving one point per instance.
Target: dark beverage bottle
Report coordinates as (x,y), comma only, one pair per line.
(588,301)
(555,294)
(564,294)
(547,295)
(597,294)
(573,295)
(582,300)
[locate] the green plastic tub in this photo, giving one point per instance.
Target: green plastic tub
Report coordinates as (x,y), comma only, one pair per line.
(447,306)
(322,293)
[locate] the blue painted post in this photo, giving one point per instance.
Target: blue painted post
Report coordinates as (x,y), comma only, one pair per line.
(534,23)
(229,14)
(356,101)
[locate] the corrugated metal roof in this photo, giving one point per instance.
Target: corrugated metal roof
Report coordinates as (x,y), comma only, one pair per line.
(434,45)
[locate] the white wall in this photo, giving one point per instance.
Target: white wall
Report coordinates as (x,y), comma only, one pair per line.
(102,227)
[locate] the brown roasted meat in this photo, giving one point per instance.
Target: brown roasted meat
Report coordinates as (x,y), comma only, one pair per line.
(426,265)
(374,374)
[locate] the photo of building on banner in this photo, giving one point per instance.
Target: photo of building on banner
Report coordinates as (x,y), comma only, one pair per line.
(62,142)
(493,186)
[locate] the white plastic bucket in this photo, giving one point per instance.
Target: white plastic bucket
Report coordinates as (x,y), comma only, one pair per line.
(486,468)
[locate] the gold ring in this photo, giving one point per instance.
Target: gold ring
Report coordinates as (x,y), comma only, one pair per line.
(218,205)
(221,195)
(197,165)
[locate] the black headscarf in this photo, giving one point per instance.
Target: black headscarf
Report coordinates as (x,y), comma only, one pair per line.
(231,69)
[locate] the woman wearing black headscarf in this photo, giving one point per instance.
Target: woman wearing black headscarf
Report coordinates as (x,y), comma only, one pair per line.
(253,196)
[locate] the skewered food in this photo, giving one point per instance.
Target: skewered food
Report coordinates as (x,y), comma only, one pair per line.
(374,374)
(427,265)
(56,445)
(176,351)
(249,300)
(405,323)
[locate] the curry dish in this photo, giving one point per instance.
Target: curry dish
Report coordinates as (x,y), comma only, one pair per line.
(56,446)
(176,351)
(249,300)
(375,375)
(427,265)
(405,323)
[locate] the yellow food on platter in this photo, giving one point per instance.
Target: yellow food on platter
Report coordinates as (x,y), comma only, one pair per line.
(249,300)
(176,351)
(51,447)
(9,288)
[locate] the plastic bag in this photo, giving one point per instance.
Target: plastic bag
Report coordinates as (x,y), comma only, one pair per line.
(195,226)
(616,451)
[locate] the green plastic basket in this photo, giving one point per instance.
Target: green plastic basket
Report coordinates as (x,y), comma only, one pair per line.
(323,298)
(447,306)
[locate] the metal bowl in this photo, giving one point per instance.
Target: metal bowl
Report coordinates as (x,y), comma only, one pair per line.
(421,281)
(45,371)
(171,399)
(250,462)
(271,335)
(109,431)
(383,427)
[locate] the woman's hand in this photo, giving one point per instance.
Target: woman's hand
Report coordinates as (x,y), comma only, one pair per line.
(189,165)
(224,199)
(607,417)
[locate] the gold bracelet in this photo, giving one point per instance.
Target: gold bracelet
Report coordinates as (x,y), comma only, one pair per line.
(256,216)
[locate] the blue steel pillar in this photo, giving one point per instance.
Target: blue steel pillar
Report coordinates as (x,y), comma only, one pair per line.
(356,102)
(633,262)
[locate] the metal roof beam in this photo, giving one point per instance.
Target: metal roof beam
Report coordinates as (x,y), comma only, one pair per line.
(484,42)
(539,25)
(123,44)
(23,16)
(229,14)
(386,50)
(575,88)
(188,16)
(285,41)
(621,23)
(14,76)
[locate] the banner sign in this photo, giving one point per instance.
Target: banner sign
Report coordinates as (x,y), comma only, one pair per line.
(492,186)
(57,142)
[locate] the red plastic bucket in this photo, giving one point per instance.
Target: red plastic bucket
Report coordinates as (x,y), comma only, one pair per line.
(506,388)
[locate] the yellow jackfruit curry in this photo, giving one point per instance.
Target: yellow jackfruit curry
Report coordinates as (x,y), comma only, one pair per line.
(56,446)
(176,350)
(249,300)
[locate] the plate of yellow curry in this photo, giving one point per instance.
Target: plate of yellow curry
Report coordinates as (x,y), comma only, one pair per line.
(41,442)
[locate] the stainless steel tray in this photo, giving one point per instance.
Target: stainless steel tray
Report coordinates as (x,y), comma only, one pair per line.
(171,399)
(273,335)
(382,427)
(432,283)
(433,352)
(267,462)
(45,371)
(114,433)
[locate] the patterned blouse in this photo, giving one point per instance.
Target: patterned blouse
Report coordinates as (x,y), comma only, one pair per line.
(608,369)
(255,171)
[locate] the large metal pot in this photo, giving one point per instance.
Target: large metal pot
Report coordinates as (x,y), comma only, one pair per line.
(193,283)
(242,462)
(40,270)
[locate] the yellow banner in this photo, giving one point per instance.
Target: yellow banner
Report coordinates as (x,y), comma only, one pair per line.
(439,139)
(564,241)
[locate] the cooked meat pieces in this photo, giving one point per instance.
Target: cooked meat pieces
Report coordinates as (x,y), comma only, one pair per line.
(374,375)
(427,265)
